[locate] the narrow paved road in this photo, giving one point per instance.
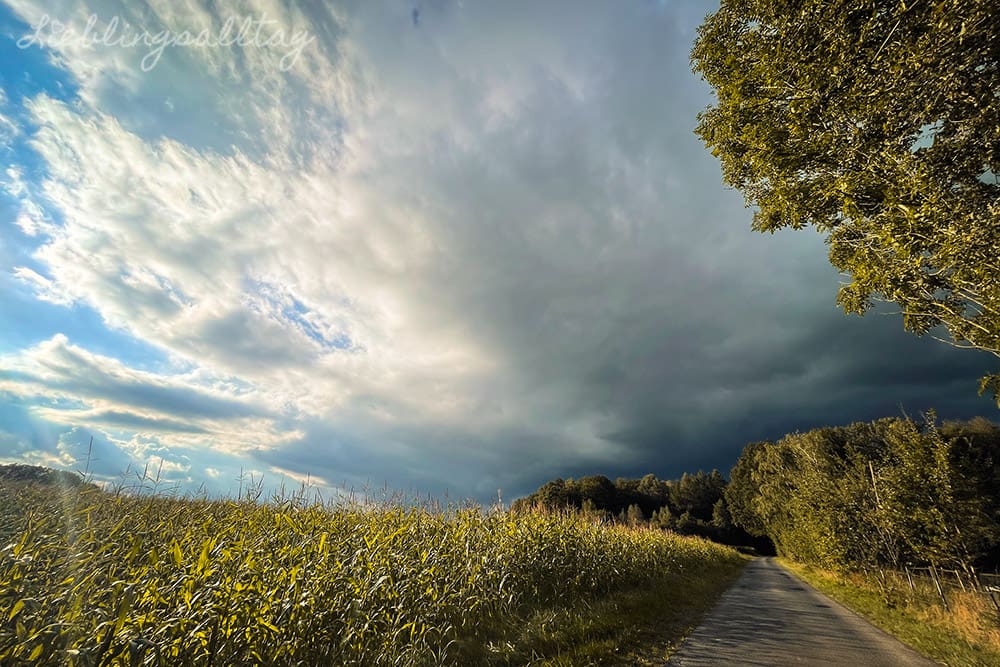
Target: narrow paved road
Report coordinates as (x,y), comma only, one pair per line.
(770,617)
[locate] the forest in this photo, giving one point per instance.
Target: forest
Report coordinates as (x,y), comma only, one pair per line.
(694,504)
(886,493)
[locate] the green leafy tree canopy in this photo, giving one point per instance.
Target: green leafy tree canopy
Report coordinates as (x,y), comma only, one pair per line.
(877,123)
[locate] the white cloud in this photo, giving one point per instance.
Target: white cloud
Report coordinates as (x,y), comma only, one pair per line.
(69,385)
(31,218)
(305,479)
(46,289)
(14,184)
(422,239)
(470,249)
(8,128)
(159,466)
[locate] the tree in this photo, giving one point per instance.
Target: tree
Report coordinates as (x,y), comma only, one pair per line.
(687,524)
(654,490)
(879,493)
(663,518)
(19,472)
(698,493)
(553,494)
(601,491)
(875,123)
(591,511)
(634,516)
(721,518)
(743,490)
(931,505)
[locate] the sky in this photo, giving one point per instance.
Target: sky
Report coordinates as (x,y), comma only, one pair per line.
(438,247)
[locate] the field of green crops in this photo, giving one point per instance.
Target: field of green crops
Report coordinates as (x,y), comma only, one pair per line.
(93,578)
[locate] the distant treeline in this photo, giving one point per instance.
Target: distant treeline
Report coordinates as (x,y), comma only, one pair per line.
(19,472)
(884,493)
(692,505)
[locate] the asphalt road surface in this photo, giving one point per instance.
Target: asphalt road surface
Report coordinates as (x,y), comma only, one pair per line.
(770,617)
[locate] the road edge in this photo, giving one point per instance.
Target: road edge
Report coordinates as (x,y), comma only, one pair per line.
(783,564)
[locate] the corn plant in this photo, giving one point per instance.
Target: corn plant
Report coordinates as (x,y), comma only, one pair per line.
(92,578)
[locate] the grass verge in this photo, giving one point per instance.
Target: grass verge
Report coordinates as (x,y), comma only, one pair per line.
(964,635)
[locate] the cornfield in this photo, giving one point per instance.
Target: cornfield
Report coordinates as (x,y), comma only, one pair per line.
(89,577)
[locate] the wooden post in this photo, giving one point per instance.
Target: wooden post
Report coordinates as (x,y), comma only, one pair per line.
(996,604)
(977,585)
(909,579)
(937,584)
(958,575)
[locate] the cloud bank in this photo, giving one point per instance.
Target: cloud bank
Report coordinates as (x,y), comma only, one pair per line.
(470,251)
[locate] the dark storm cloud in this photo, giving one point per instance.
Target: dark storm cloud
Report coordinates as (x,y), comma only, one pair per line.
(416,459)
(838,370)
(588,242)
(508,210)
